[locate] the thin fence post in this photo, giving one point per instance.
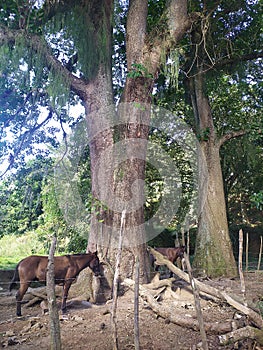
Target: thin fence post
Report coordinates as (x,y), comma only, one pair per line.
(240,266)
(247,251)
(136,305)
(260,253)
(115,285)
(55,338)
(197,303)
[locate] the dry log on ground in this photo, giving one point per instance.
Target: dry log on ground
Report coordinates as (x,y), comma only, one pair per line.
(33,301)
(240,334)
(40,293)
(255,318)
(169,313)
(156,283)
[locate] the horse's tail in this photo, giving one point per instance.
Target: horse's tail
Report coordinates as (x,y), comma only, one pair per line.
(15,279)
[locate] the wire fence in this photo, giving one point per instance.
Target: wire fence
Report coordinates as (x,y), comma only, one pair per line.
(251,263)
(7,275)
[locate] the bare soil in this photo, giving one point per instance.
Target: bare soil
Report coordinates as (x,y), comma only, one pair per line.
(88,326)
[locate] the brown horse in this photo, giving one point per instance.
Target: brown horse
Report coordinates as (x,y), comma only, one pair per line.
(171,253)
(67,268)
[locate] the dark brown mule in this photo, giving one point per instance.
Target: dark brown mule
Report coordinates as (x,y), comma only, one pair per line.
(171,253)
(67,268)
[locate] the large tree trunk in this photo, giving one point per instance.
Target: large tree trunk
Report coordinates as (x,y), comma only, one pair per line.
(213,251)
(118,139)
(117,170)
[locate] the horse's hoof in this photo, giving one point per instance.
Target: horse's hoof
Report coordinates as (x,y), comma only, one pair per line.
(64,317)
(21,318)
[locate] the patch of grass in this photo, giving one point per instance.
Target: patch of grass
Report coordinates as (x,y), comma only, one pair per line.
(14,248)
(8,263)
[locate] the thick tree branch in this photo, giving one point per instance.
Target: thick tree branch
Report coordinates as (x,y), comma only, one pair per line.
(169,313)
(40,46)
(136,30)
(178,22)
(148,49)
(237,59)
(231,135)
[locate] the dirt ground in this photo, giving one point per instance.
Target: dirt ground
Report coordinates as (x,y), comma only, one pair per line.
(89,326)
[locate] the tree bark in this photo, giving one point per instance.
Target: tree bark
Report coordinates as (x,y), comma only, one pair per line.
(240,334)
(213,251)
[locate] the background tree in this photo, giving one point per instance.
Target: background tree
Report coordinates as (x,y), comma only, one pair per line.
(218,69)
(21,203)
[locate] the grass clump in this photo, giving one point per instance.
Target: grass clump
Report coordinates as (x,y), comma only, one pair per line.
(14,248)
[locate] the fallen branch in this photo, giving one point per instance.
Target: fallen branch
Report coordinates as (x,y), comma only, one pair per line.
(41,292)
(33,301)
(255,318)
(156,283)
(37,294)
(240,334)
(169,313)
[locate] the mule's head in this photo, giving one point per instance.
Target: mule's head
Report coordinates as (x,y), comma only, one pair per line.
(95,264)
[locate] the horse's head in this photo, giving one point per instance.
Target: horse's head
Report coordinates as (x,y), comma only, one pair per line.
(181,251)
(95,264)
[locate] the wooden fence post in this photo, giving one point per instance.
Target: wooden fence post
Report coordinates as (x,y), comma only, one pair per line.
(260,253)
(197,303)
(55,339)
(240,266)
(136,305)
(247,251)
(115,284)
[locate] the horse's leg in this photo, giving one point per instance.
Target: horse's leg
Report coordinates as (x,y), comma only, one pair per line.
(19,297)
(171,272)
(66,287)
